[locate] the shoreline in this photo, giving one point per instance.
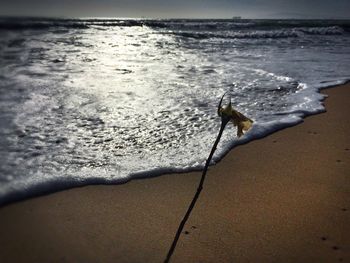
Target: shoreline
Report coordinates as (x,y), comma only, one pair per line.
(54,186)
(293,210)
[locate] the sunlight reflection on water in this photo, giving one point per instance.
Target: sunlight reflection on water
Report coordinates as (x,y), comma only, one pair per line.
(106,102)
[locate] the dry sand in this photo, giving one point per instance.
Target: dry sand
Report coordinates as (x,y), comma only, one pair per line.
(284,198)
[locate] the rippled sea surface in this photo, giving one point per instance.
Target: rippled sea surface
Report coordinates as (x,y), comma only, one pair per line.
(108,100)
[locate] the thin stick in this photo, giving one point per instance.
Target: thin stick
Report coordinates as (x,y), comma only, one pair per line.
(224,120)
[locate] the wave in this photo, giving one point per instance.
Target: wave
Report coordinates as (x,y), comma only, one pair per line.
(15,23)
(252,24)
(41,24)
(38,25)
(333,30)
(283,33)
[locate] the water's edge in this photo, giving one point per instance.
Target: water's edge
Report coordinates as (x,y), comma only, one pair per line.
(53,186)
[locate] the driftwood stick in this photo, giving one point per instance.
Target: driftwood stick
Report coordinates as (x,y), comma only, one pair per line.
(224,120)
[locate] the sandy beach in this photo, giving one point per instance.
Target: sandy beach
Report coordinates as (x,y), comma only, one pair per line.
(283,198)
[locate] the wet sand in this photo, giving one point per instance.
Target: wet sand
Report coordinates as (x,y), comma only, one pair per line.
(284,198)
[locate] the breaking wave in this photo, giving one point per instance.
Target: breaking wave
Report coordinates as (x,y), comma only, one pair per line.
(309,26)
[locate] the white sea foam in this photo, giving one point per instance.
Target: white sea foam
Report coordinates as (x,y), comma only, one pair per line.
(106,101)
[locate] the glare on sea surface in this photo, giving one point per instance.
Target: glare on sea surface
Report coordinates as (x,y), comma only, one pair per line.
(105,102)
(124,77)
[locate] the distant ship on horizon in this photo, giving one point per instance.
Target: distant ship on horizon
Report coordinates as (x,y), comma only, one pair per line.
(236,17)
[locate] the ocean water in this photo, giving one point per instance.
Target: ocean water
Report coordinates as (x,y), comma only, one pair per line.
(108,100)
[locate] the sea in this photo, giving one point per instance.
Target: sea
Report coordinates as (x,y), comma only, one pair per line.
(105,101)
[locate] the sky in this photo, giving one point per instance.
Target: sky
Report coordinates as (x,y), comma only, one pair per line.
(179,8)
